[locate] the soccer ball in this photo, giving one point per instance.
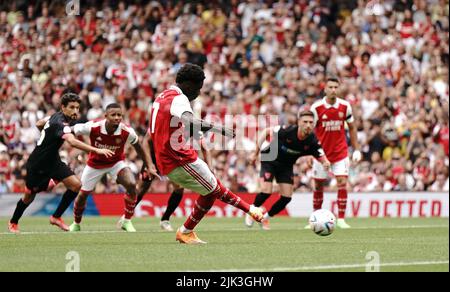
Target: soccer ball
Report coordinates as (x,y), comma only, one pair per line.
(322,222)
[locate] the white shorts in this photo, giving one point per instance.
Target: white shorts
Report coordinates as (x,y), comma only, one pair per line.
(91,176)
(340,168)
(195,176)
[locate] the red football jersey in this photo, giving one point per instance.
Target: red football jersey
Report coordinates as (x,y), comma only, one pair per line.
(101,139)
(330,127)
(167,131)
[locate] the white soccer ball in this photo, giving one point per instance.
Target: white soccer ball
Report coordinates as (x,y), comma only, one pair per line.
(322,222)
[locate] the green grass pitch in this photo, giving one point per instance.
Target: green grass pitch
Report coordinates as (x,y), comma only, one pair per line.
(402,245)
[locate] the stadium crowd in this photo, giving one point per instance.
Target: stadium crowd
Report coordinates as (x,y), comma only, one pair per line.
(260,58)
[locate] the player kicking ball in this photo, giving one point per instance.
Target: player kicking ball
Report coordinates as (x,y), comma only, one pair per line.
(330,116)
(177,192)
(289,143)
(44,163)
(171,115)
(109,133)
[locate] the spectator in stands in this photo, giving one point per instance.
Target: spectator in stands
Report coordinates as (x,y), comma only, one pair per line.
(260,58)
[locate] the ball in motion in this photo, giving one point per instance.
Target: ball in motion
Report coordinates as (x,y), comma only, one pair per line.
(322,222)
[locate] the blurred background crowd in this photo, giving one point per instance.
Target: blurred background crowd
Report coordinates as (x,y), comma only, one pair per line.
(260,58)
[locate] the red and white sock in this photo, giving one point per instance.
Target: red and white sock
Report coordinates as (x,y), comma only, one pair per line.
(201,208)
(130,205)
(78,210)
(342,203)
(317,200)
(227,196)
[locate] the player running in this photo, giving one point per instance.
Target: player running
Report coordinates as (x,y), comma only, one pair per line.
(330,115)
(177,192)
(45,163)
(171,115)
(290,143)
(109,133)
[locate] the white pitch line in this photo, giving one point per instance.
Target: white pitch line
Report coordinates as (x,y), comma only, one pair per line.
(327,267)
(231,229)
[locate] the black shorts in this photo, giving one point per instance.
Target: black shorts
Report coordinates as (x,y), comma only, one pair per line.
(37,180)
(284,174)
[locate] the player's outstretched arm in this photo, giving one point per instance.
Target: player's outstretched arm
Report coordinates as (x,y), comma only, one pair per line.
(195,124)
(74,142)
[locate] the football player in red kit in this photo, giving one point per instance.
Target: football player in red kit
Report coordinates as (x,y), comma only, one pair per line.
(177,192)
(109,133)
(330,116)
(171,116)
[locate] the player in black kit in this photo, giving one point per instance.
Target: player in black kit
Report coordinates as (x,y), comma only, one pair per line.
(45,163)
(289,143)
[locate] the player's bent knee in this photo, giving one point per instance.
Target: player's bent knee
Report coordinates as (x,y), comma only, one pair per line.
(286,198)
(178,192)
(131,189)
(28,198)
(75,187)
(318,185)
(342,183)
(266,188)
(84,194)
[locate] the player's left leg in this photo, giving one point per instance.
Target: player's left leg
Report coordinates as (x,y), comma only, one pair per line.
(126,178)
(89,179)
(286,191)
(63,173)
(36,181)
(203,183)
(340,170)
(285,178)
(22,205)
(342,201)
(198,177)
(267,175)
(227,196)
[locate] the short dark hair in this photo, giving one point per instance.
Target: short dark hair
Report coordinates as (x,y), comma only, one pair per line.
(113,105)
(190,72)
(70,97)
(305,113)
(333,79)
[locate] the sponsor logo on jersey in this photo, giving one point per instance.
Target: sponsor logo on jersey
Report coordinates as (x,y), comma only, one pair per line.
(332,125)
(110,147)
(118,141)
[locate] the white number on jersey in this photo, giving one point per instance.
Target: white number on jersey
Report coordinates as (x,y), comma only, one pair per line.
(43,133)
(154,114)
